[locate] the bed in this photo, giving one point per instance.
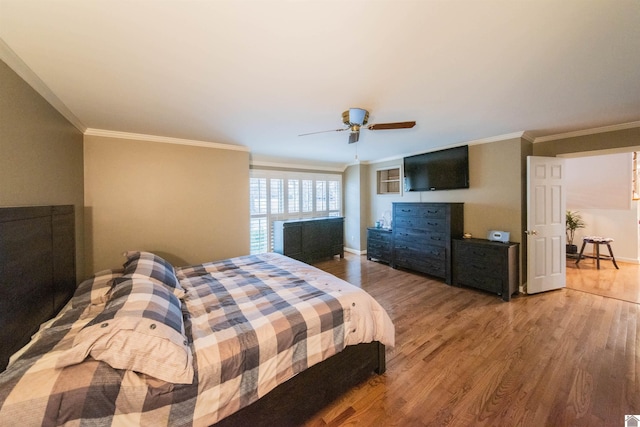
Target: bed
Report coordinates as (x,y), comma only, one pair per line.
(253,340)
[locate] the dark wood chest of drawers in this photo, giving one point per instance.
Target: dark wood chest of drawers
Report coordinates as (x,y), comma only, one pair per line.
(487,265)
(422,234)
(379,244)
(309,240)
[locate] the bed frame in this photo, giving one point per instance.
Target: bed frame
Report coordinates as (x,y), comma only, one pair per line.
(37,270)
(294,401)
(37,277)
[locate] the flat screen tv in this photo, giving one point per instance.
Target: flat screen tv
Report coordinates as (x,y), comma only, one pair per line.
(438,170)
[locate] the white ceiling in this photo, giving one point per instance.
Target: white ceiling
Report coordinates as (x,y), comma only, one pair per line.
(258,73)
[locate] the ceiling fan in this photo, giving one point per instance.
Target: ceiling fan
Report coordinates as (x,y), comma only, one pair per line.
(356,118)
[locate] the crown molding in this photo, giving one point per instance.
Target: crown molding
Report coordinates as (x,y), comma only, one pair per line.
(358,162)
(526,135)
(387,159)
(162,139)
(22,69)
(512,135)
(260,163)
(584,132)
(520,134)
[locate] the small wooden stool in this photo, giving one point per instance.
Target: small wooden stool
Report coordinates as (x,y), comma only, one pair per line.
(596,241)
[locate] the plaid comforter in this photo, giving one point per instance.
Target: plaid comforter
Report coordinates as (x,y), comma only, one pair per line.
(252,323)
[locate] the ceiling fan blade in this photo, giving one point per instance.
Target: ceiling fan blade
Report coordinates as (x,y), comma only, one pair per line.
(323,131)
(385,126)
(354,137)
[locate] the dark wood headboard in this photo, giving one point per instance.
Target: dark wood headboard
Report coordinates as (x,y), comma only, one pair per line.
(37,270)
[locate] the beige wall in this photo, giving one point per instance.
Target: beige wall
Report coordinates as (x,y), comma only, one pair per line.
(40,154)
(493,199)
(356,207)
(365,203)
(188,204)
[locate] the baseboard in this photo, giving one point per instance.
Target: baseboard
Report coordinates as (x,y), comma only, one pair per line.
(628,260)
(605,257)
(355,251)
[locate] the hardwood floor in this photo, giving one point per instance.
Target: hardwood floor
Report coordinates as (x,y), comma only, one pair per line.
(466,358)
(623,283)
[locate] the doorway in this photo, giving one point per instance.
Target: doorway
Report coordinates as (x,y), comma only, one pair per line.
(600,188)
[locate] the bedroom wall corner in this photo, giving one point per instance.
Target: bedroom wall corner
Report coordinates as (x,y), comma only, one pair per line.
(188,204)
(42,154)
(355,207)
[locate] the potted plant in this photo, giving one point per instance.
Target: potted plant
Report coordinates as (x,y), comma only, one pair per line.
(573,222)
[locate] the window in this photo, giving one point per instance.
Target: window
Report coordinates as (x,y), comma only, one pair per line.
(321,195)
(276,197)
(334,195)
(258,210)
(293,195)
(280,195)
(307,195)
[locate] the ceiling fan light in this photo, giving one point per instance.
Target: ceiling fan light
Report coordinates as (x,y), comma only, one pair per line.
(355,116)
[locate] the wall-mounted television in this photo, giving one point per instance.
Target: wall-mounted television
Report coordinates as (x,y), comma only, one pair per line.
(438,170)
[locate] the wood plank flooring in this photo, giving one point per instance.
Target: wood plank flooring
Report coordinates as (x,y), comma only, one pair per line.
(466,358)
(622,283)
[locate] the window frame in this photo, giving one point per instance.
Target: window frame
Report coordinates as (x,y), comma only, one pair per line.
(332,202)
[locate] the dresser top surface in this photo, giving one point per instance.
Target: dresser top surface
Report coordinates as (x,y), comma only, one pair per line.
(324,218)
(382,229)
(428,203)
(487,242)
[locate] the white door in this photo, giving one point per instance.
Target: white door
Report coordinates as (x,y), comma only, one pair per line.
(546,238)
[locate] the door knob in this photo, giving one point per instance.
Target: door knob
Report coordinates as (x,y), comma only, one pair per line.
(531,232)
